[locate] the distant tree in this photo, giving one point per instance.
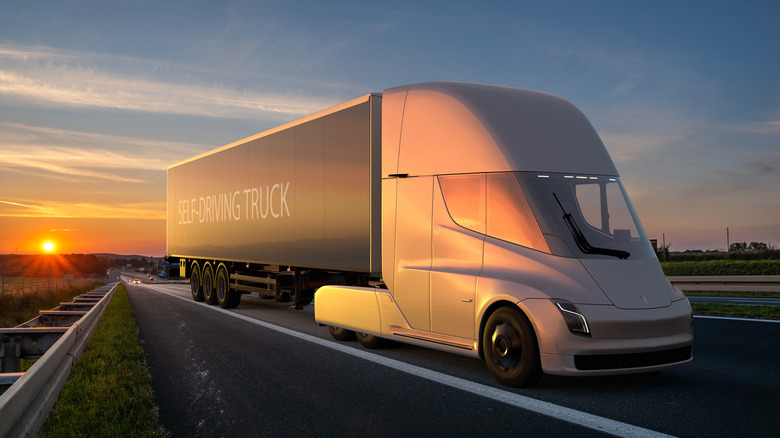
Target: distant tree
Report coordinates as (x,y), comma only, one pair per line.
(757,246)
(738,246)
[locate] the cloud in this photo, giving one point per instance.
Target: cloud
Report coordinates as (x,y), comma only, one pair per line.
(74,155)
(50,78)
(54,208)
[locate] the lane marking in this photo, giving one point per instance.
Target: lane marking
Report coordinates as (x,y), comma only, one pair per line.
(569,415)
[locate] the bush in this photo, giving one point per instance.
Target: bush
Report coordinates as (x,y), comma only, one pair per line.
(722,267)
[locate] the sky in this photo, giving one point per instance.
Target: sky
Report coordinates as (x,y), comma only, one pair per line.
(98,98)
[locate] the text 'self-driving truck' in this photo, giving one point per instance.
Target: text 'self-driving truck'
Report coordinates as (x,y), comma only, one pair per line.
(495,216)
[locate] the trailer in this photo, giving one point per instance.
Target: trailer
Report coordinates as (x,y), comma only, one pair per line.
(482,220)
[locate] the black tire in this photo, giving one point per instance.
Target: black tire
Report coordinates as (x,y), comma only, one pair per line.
(510,348)
(227,298)
(341,334)
(196,285)
(370,341)
(209,294)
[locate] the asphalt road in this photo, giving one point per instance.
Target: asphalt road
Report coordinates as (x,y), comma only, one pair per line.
(267,370)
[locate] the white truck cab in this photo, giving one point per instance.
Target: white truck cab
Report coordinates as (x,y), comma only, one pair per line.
(507,234)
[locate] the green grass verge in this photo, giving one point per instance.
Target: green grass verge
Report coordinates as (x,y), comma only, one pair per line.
(109,392)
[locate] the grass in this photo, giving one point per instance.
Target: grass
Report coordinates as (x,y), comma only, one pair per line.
(736,310)
(109,391)
(728,267)
(723,267)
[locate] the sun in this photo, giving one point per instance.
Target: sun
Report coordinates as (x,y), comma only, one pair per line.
(48,246)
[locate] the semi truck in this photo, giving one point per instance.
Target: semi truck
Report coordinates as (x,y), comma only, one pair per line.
(482,220)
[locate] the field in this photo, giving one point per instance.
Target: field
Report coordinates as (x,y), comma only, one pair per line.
(722,267)
(23,297)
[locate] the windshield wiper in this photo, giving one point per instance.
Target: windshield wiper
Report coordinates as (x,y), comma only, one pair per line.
(582,242)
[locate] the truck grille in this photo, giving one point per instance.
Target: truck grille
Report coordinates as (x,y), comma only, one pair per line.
(631,360)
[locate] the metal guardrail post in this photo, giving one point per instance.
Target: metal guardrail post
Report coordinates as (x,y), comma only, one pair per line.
(25,405)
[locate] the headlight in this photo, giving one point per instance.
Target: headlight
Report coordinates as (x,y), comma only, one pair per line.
(575,320)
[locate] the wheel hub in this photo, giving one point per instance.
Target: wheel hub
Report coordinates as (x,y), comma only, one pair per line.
(506,346)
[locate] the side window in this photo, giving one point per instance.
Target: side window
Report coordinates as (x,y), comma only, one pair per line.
(509,216)
(465,199)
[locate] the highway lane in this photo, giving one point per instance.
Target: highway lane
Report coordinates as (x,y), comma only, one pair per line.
(216,375)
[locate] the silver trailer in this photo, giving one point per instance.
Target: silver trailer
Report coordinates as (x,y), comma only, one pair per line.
(281,212)
(495,216)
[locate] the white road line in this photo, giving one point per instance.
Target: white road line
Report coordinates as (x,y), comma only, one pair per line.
(574,416)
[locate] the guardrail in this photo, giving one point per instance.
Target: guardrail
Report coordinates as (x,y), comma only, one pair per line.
(728,283)
(57,337)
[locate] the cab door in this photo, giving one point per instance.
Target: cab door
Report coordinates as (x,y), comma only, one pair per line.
(412,267)
(458,245)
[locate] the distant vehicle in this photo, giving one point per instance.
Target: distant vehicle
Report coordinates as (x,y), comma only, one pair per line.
(495,215)
(136,281)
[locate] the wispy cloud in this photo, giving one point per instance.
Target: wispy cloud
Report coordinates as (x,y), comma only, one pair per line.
(46,77)
(54,208)
(83,156)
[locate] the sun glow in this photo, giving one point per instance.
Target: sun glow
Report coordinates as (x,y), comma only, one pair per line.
(48,246)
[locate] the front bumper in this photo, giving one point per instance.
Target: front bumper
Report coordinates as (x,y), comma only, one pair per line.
(623,341)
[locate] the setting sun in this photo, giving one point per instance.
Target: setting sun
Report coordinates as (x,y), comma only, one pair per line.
(48,247)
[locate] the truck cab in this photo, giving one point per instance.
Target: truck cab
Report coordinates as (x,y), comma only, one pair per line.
(507,234)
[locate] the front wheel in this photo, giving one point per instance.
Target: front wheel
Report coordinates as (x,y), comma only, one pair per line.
(510,348)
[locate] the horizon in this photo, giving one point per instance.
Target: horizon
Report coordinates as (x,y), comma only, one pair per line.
(98,99)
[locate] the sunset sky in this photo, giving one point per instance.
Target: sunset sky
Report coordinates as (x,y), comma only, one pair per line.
(98,97)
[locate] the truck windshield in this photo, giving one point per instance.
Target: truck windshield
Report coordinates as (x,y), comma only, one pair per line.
(591,214)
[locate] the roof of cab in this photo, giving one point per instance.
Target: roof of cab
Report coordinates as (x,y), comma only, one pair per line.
(437,128)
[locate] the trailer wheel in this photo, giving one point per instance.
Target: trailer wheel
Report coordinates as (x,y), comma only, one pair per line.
(370,341)
(195,284)
(341,334)
(208,285)
(510,348)
(227,298)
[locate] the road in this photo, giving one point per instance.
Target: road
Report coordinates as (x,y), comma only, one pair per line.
(266,370)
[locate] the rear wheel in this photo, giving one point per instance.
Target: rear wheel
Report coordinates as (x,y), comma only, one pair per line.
(195,284)
(341,334)
(227,298)
(510,348)
(370,341)
(208,285)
